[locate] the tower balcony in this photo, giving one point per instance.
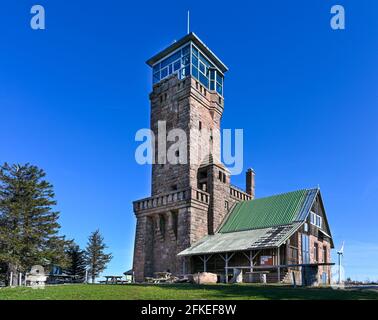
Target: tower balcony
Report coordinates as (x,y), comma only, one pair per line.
(172,200)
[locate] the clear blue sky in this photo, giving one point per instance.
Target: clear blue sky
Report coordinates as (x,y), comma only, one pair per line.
(73,96)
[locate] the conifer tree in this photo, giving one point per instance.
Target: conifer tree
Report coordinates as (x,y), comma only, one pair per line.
(77,264)
(28,224)
(96,258)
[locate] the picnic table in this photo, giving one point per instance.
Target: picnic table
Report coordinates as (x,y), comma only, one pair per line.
(113,279)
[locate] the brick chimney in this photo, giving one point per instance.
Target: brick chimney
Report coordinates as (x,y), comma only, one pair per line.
(250,182)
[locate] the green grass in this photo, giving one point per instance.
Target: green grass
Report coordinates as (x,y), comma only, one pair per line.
(182,291)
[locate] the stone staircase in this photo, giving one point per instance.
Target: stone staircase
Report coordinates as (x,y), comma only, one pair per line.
(272,277)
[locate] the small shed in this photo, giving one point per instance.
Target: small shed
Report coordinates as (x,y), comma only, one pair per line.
(129,275)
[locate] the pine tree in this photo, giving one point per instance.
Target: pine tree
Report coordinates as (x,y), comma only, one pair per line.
(96,258)
(28,224)
(77,263)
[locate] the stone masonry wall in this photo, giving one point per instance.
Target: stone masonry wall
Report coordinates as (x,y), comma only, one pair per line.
(187,105)
(169,103)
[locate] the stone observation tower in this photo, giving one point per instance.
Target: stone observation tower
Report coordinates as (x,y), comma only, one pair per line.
(190,199)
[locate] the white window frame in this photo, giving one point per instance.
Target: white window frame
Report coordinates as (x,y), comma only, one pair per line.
(315,218)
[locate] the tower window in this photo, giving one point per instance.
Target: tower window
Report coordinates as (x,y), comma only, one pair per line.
(189,60)
(200,125)
(222,176)
(175,222)
(162,225)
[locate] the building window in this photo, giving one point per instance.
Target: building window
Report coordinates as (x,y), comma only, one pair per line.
(222,177)
(190,60)
(162,225)
(294,254)
(200,125)
(178,62)
(316,252)
(226,205)
(175,223)
(324,254)
(316,220)
(305,249)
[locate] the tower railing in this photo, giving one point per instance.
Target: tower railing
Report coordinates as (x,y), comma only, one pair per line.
(172,198)
(238,194)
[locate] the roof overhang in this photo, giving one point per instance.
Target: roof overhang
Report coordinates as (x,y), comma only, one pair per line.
(198,42)
(325,233)
(257,239)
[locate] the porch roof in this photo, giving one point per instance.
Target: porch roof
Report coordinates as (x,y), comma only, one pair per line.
(243,240)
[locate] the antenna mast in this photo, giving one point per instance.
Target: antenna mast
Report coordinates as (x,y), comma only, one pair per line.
(188,23)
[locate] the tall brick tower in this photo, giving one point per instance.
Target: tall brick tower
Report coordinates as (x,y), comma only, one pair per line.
(189,199)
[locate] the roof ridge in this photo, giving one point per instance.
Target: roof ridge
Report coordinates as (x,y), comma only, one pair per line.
(282,194)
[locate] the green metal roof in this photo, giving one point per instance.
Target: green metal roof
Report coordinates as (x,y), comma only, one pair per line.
(271,211)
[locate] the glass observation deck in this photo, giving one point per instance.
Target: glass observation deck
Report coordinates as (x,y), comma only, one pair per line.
(189,56)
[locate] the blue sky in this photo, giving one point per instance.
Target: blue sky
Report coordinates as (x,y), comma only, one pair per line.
(73,96)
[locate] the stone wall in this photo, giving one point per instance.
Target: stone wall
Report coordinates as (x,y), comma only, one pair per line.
(166,225)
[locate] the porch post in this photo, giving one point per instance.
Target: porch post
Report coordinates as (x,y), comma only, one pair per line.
(226,267)
(278,263)
(204,263)
(250,261)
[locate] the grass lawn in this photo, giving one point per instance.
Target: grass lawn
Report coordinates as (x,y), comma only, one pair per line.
(179,291)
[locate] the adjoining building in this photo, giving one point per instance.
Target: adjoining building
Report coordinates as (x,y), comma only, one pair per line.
(195,220)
